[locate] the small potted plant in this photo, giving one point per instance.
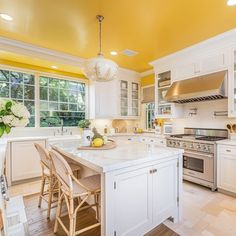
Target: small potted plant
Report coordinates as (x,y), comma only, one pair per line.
(86,132)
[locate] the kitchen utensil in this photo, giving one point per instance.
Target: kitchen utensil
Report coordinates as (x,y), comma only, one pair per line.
(229,127)
(234,128)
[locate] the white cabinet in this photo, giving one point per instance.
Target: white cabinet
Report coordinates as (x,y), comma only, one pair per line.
(133,196)
(165,199)
(226,174)
(23,161)
(232,84)
(208,63)
(116,99)
(145,197)
(106,99)
(129,99)
(164,109)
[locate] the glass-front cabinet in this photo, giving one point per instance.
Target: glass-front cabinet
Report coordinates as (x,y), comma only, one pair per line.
(129,99)
(163,84)
(232,85)
(164,109)
(124,93)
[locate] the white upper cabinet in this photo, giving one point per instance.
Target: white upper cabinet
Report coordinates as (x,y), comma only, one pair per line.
(232,84)
(115,99)
(208,63)
(164,109)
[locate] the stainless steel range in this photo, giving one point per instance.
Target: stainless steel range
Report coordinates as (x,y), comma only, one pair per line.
(199,158)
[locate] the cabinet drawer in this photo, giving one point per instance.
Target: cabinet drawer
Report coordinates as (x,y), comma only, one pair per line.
(227,150)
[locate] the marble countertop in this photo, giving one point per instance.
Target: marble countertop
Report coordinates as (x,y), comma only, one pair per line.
(145,134)
(227,142)
(126,154)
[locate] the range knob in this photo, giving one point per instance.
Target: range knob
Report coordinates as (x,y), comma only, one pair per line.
(178,144)
(191,146)
(184,145)
(174,143)
(198,146)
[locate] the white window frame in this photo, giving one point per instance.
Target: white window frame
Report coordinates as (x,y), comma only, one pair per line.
(37,75)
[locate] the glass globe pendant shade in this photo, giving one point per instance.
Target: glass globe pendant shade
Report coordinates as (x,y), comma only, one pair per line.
(100,69)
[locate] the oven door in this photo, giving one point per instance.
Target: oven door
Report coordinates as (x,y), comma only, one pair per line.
(199,165)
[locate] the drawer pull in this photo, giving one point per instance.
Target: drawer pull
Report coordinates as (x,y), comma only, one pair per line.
(151,171)
(228,150)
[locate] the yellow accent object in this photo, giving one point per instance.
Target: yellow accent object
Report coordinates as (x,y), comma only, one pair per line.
(97,142)
(139,130)
(159,122)
(153,28)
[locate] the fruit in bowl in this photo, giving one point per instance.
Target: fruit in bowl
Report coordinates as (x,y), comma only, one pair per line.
(97,142)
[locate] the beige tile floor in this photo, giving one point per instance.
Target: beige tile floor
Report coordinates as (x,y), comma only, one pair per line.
(205,213)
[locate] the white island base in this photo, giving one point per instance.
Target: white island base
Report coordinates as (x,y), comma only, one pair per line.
(141,185)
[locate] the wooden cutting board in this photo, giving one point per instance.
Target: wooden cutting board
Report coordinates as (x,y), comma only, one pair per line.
(109,145)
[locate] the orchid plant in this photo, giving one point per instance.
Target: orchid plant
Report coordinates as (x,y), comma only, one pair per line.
(12,114)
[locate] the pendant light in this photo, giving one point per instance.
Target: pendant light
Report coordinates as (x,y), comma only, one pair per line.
(99,68)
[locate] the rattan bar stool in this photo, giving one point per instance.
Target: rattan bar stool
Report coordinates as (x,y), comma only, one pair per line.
(49,178)
(71,189)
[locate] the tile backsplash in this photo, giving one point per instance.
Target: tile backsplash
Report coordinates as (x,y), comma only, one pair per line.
(204,117)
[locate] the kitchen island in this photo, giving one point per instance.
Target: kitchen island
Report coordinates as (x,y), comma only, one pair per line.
(141,184)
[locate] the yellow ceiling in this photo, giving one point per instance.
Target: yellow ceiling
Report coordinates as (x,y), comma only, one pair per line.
(154,28)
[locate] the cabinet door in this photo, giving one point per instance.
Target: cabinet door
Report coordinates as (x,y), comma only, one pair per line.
(106,99)
(227,173)
(25,161)
(213,63)
(165,184)
(232,85)
(124,98)
(135,99)
(133,199)
(187,70)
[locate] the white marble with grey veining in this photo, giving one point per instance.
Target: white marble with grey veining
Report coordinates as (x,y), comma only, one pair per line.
(126,154)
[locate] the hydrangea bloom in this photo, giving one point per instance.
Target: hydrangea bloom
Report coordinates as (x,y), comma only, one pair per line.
(20,111)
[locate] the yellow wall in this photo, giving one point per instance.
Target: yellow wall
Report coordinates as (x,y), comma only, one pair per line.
(42,69)
(148,80)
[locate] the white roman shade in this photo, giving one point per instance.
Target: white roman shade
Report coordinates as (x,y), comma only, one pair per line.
(148,94)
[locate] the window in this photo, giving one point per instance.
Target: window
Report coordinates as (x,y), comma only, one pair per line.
(150,115)
(61,100)
(19,87)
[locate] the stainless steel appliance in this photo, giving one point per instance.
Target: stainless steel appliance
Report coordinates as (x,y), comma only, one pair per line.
(199,158)
(202,88)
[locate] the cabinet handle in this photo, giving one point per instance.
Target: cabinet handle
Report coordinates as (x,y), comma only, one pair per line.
(151,171)
(228,150)
(155,170)
(161,142)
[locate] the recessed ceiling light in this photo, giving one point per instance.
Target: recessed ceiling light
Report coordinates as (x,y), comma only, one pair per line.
(54,67)
(6,17)
(231,2)
(113,53)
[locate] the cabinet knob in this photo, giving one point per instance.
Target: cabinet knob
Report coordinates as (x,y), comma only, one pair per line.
(151,171)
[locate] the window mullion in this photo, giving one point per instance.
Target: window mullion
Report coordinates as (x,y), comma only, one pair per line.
(37,101)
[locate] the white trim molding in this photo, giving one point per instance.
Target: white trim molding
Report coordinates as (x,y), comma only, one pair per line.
(18,47)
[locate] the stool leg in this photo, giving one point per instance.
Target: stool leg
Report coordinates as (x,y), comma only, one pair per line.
(96,200)
(58,214)
(50,192)
(72,218)
(41,190)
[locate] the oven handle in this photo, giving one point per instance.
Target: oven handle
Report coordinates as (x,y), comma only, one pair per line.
(197,154)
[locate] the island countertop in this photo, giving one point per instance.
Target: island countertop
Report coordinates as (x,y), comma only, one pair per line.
(126,154)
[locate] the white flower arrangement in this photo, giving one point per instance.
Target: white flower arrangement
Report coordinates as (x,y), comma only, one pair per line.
(12,114)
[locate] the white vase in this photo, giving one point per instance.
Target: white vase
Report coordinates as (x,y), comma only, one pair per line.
(87,136)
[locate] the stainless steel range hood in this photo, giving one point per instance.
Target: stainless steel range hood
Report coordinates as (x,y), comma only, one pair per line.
(202,88)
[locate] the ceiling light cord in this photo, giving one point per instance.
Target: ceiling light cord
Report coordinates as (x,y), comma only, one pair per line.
(100,19)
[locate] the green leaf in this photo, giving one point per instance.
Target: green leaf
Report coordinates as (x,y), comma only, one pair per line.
(2,129)
(8,105)
(8,129)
